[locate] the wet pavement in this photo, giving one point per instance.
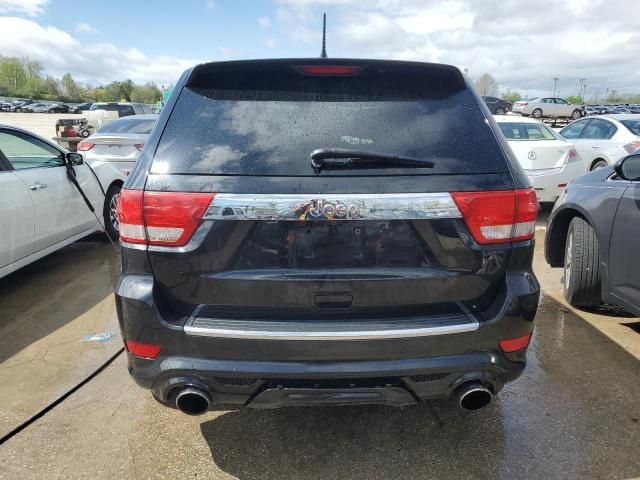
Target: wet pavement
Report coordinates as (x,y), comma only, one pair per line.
(573,414)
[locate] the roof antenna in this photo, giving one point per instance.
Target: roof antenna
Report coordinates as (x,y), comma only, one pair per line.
(323,54)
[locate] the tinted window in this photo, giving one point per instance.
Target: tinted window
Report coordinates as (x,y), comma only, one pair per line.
(573,130)
(525,131)
(272,129)
(561,101)
(632,125)
(24,151)
(598,130)
(129,125)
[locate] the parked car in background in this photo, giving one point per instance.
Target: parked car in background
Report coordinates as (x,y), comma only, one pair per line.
(605,139)
(593,234)
(328,240)
(550,161)
(496,105)
(19,105)
(123,109)
(57,108)
(119,142)
(548,107)
(36,107)
(41,209)
(80,107)
(5,106)
(593,110)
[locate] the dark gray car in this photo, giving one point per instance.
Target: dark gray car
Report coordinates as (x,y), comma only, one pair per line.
(593,232)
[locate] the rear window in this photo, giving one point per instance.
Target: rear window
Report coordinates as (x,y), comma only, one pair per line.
(268,121)
(129,125)
(632,125)
(526,131)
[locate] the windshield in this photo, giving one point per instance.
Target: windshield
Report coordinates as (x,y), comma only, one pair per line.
(240,136)
(129,125)
(526,131)
(632,125)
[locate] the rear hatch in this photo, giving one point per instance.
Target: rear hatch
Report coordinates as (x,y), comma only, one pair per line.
(261,235)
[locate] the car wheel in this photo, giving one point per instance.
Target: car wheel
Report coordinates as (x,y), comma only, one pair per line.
(500,111)
(598,165)
(581,265)
(84,133)
(537,113)
(576,114)
(110,214)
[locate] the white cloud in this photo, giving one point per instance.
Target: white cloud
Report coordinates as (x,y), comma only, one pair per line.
(264,22)
(523,44)
(270,42)
(59,52)
(27,7)
(85,28)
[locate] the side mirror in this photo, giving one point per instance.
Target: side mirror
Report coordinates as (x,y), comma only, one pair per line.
(74,158)
(629,168)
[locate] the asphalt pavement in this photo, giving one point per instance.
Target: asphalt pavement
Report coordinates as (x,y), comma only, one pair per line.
(573,414)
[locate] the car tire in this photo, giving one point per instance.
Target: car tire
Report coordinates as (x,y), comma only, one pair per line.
(582,265)
(500,111)
(110,212)
(84,133)
(576,114)
(598,165)
(537,113)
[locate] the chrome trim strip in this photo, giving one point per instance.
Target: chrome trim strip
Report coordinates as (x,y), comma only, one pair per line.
(304,207)
(133,246)
(380,334)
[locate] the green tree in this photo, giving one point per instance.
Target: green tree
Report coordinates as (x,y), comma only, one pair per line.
(574,100)
(510,96)
(13,74)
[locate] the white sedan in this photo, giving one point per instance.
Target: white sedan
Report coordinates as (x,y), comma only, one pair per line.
(42,211)
(604,139)
(550,161)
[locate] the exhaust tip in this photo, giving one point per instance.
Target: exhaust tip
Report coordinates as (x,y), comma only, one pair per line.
(473,396)
(193,401)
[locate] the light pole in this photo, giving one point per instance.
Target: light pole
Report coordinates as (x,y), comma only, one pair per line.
(583,88)
(555,85)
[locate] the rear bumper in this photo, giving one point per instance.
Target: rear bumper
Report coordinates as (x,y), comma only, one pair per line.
(547,186)
(267,373)
(275,384)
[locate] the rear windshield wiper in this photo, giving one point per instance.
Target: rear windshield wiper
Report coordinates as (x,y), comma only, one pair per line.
(362,159)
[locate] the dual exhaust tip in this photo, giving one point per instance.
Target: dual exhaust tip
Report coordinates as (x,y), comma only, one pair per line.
(470,396)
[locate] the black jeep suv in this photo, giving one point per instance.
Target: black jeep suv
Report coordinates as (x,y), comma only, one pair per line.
(315,231)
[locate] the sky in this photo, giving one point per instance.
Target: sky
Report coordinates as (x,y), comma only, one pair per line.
(522,43)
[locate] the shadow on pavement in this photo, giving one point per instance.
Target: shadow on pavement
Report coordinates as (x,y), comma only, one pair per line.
(432,440)
(47,294)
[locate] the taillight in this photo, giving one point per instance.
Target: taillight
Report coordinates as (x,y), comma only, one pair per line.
(499,216)
(632,147)
(84,146)
(139,146)
(160,218)
(514,344)
(328,69)
(143,350)
(572,156)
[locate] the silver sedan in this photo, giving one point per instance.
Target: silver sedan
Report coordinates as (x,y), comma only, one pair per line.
(119,141)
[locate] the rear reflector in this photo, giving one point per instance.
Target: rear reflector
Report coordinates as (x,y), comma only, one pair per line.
(328,69)
(499,216)
(84,146)
(160,218)
(514,344)
(139,146)
(142,350)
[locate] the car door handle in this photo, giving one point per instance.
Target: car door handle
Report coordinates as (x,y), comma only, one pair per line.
(595,146)
(37,186)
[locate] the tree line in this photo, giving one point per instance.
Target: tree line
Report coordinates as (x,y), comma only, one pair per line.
(486,85)
(25,78)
